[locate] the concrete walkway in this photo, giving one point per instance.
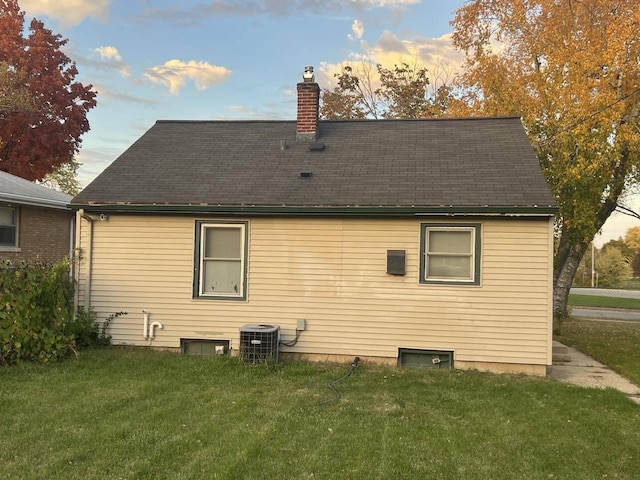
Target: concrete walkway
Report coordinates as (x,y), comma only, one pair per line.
(580,369)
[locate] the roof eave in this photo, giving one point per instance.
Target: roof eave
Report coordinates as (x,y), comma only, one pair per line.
(321,210)
(34,201)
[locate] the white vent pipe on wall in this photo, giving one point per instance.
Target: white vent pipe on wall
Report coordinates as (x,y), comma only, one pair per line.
(149,330)
(145,325)
(152,329)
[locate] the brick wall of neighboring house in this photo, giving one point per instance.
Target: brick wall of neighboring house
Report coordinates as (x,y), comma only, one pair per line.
(43,234)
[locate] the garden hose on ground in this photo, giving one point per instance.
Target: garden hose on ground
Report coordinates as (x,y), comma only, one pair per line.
(332,383)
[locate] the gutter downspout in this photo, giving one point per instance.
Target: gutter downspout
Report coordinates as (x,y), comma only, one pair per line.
(87,289)
(72,244)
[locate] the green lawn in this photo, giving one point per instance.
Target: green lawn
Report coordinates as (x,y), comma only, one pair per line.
(604,302)
(132,414)
(617,344)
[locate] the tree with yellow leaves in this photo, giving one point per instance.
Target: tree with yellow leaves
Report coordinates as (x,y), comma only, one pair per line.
(632,238)
(571,70)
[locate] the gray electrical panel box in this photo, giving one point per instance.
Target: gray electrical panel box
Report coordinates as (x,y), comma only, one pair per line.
(396,262)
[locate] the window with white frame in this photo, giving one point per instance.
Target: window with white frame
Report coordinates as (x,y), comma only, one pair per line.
(450,254)
(220,260)
(8,221)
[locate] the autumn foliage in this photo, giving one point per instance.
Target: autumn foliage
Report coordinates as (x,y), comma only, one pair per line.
(570,70)
(43,110)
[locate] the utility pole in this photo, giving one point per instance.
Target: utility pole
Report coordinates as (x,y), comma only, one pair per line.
(593,265)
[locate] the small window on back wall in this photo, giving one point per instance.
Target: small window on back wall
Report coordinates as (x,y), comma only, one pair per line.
(450,254)
(220,261)
(8,217)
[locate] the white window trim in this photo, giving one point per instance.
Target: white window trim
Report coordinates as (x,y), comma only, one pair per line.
(243,254)
(475,252)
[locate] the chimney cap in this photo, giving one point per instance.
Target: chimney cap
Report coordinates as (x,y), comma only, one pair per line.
(308,76)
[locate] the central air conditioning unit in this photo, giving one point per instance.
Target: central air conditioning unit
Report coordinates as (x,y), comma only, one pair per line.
(259,343)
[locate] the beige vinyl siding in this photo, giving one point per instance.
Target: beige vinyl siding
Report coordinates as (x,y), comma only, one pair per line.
(331,272)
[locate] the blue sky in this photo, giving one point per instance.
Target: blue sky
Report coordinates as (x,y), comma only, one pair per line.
(232,59)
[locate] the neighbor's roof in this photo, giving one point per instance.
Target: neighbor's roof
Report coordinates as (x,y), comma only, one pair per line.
(442,165)
(18,190)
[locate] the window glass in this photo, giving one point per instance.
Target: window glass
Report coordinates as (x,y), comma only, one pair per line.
(222,276)
(449,241)
(7,216)
(7,226)
(449,267)
(223,242)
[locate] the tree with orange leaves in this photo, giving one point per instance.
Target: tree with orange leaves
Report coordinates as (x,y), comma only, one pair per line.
(571,70)
(43,110)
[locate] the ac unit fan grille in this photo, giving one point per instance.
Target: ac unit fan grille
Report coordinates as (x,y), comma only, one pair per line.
(259,344)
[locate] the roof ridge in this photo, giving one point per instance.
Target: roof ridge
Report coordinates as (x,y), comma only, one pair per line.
(350,120)
(225,121)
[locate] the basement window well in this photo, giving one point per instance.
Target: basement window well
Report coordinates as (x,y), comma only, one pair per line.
(204,348)
(412,357)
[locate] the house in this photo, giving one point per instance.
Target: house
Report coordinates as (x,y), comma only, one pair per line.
(410,241)
(35,223)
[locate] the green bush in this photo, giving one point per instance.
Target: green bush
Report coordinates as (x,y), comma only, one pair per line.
(36,304)
(37,322)
(89,333)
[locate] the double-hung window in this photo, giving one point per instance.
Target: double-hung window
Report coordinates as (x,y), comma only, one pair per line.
(450,254)
(8,221)
(220,264)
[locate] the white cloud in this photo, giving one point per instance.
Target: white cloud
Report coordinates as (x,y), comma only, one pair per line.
(109,52)
(68,12)
(358,30)
(112,58)
(175,73)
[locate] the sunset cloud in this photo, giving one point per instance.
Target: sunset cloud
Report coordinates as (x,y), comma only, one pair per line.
(358,30)
(68,12)
(436,54)
(111,57)
(175,73)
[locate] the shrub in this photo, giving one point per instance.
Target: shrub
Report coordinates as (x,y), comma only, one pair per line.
(87,332)
(37,322)
(36,303)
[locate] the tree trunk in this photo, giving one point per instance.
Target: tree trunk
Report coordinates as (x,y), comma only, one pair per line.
(567,262)
(569,254)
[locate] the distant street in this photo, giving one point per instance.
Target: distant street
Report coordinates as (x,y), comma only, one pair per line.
(606,314)
(605,292)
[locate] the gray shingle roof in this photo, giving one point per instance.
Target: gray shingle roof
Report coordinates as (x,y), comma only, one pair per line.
(18,190)
(442,162)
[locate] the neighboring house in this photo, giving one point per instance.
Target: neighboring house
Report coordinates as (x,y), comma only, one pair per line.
(35,223)
(405,241)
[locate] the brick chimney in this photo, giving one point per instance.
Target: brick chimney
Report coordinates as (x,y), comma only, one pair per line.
(308,107)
